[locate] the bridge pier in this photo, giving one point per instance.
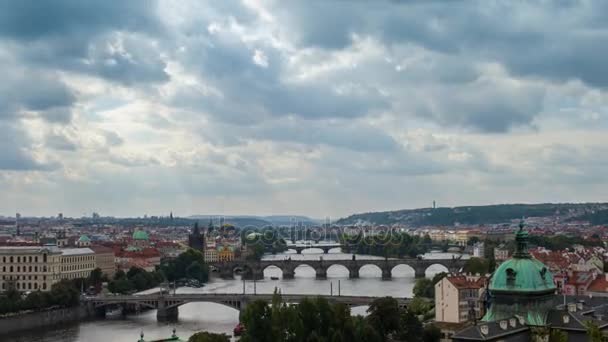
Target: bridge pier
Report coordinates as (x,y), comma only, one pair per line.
(353,273)
(321,273)
(289,273)
(164,314)
(420,272)
(386,274)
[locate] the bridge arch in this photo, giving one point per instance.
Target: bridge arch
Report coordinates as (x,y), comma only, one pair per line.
(304,270)
(435,268)
(403,271)
(337,271)
(235,304)
(334,250)
(273,270)
(370,270)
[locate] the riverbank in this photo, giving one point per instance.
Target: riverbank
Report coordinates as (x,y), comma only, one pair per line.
(41,319)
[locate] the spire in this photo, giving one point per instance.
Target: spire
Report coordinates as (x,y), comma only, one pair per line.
(521,239)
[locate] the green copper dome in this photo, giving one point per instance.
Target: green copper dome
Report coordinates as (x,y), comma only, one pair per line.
(522,273)
(140,235)
(84,238)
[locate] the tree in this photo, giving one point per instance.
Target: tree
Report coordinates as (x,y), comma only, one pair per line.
(420,306)
(384,316)
(65,294)
(204,336)
(431,333)
(558,336)
(594,333)
(258,322)
(96,277)
(424,287)
(410,327)
(476,266)
(472,240)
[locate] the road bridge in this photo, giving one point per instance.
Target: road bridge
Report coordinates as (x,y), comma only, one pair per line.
(167,304)
(255,269)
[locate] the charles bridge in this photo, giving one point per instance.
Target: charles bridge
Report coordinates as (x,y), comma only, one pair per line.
(167,304)
(255,269)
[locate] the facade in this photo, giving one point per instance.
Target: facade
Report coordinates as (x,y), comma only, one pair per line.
(211,255)
(29,268)
(479,250)
(77,262)
(501,253)
(457,298)
(225,253)
(105,260)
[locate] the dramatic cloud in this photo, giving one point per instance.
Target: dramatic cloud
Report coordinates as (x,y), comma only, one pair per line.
(311,107)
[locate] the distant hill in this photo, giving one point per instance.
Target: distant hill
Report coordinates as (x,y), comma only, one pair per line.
(487,214)
(258,221)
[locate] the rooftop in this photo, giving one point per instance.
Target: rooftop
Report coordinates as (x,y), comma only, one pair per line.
(76,251)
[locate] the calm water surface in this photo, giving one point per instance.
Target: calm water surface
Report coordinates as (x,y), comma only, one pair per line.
(212,317)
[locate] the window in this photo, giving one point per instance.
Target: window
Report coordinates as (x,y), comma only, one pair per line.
(44,286)
(44,258)
(511,274)
(11,260)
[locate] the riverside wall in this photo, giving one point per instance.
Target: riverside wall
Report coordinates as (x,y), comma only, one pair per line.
(41,319)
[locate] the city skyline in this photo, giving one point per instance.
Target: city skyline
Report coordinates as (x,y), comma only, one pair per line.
(316,108)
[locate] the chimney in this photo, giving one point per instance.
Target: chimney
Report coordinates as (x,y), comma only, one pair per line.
(571,307)
(566,319)
(512,322)
(579,306)
(503,325)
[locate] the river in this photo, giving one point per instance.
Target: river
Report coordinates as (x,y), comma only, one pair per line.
(212,317)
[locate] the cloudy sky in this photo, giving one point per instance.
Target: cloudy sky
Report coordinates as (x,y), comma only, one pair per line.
(316,107)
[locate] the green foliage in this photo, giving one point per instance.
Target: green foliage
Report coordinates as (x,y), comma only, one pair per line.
(431,333)
(384,316)
(63,294)
(594,333)
(474,214)
(558,336)
(424,287)
(477,265)
(420,306)
(204,336)
(190,264)
(267,240)
(315,319)
(411,328)
(136,279)
(386,244)
(559,242)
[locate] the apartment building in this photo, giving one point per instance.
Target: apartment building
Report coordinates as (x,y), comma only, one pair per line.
(29,268)
(456,297)
(77,262)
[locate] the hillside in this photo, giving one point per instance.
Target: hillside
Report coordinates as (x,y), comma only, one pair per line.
(487,214)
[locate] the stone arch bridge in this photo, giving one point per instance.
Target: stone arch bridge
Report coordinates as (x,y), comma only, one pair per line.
(167,305)
(255,269)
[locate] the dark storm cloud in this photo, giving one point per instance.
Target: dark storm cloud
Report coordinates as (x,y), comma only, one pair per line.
(75,35)
(16,155)
(251,91)
(558,40)
(33,20)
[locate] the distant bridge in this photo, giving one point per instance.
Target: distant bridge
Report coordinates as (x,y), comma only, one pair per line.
(167,305)
(326,247)
(255,269)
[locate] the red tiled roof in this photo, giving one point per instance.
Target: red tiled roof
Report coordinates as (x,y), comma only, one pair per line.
(600,284)
(461,282)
